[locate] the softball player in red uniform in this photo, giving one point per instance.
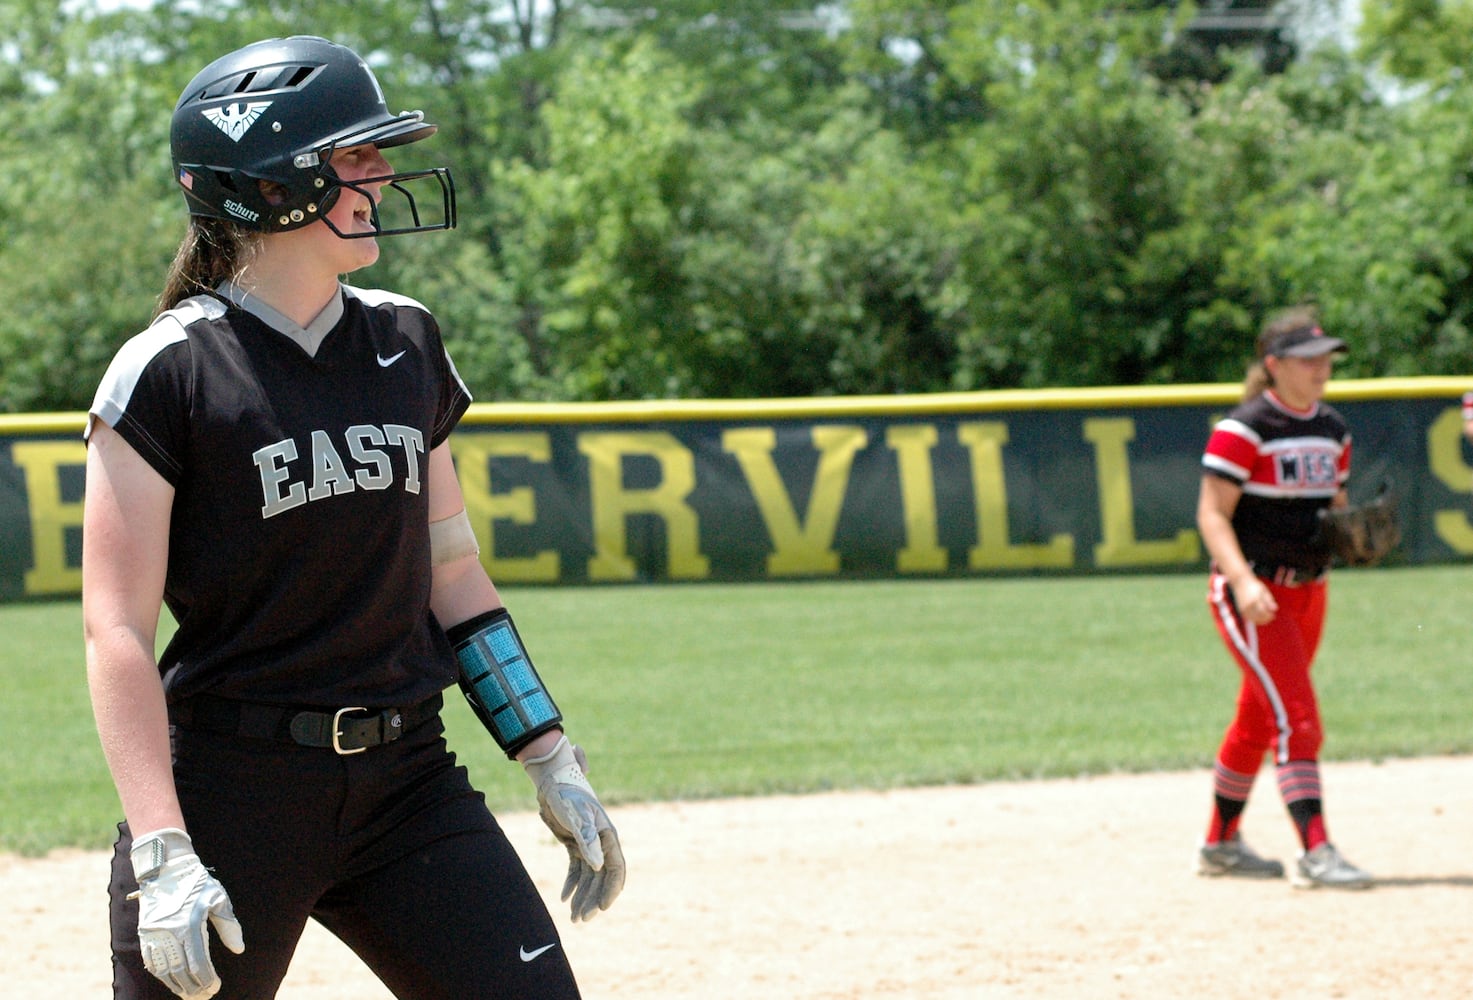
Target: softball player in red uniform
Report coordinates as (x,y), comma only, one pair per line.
(1269,468)
(269,460)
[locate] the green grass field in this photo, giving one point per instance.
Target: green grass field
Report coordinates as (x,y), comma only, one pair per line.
(699,691)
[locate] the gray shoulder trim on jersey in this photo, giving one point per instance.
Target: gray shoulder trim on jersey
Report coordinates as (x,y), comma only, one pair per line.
(121,378)
(309,338)
(455,373)
(378,297)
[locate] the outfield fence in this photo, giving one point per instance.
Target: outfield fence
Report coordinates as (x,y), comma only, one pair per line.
(951,484)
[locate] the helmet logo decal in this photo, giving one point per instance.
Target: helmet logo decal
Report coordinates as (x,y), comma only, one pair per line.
(235,119)
(238,210)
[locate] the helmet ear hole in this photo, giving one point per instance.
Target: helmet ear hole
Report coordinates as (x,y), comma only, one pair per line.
(226,180)
(274,193)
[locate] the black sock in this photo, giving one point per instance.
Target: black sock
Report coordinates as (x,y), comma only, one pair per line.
(1225,817)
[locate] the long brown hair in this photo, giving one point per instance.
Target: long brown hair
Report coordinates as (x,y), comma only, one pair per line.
(211,251)
(1258,378)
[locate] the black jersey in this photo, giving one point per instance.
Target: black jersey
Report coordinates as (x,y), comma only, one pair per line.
(299,559)
(1290,464)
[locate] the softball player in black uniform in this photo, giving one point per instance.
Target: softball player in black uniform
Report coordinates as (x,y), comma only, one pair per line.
(1269,468)
(269,459)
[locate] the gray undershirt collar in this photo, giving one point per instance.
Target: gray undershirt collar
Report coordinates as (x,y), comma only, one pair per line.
(309,338)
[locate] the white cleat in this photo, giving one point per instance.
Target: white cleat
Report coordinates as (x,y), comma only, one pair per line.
(1324,867)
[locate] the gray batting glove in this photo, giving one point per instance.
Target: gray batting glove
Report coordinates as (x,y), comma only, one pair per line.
(176,895)
(573,813)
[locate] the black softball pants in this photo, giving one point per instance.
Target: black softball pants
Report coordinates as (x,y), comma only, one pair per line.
(390,849)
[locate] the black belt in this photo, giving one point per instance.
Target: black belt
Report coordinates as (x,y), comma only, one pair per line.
(346,730)
(1292,576)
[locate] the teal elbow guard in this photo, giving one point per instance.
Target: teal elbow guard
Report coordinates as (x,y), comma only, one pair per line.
(499,681)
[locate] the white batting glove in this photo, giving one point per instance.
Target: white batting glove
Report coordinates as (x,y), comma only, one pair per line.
(573,813)
(176,895)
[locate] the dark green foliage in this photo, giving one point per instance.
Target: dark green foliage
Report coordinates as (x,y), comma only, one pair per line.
(750,200)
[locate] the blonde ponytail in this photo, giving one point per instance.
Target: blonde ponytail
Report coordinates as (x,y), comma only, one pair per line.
(1256,381)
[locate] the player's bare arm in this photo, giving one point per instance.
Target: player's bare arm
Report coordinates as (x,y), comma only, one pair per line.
(1216,503)
(126,543)
(466,603)
(461,587)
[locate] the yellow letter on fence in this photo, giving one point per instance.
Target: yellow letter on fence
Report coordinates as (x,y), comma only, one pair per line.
(806,548)
(1445,453)
(989,489)
(473,454)
(613,504)
(912,444)
(1118,546)
(42,461)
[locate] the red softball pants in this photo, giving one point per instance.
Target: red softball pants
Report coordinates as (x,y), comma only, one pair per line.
(1277,710)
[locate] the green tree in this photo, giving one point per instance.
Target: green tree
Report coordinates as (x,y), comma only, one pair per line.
(1330,195)
(1075,163)
(84,249)
(1418,41)
(826,262)
(586,233)
(740,199)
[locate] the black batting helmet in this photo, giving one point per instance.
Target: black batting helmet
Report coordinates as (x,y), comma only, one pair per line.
(274,111)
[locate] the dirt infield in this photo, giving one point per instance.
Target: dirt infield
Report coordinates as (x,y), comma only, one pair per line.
(1059,889)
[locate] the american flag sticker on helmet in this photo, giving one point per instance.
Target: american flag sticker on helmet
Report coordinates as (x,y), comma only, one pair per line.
(186,179)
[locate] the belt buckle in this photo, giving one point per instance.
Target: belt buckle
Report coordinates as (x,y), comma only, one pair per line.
(337,732)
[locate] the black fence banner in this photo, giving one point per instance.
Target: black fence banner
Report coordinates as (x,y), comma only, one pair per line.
(963,485)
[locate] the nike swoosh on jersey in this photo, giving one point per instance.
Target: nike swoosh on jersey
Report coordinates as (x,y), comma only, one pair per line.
(528,956)
(384,362)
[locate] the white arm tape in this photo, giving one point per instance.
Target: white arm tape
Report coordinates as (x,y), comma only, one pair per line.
(452,538)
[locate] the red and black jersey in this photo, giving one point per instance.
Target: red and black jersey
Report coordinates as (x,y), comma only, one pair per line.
(299,560)
(1290,464)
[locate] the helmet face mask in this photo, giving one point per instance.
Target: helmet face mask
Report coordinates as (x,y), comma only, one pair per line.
(271,115)
(398,217)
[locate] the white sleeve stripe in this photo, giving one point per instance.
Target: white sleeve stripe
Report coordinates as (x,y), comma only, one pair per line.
(127,367)
(116,388)
(1307,443)
(1292,492)
(1219,464)
(1239,429)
